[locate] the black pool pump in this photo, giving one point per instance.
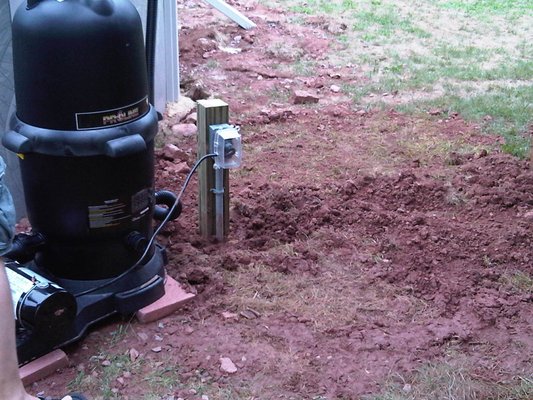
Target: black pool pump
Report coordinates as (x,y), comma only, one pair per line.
(84,131)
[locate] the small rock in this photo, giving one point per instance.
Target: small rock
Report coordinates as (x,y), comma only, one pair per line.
(482,153)
(226,365)
(192,118)
(249,37)
(230,50)
(229,315)
(180,109)
(184,129)
(335,88)
(250,314)
(158,338)
(528,215)
(126,374)
(189,330)
(157,349)
(303,97)
(181,168)
(143,336)
(197,276)
(336,28)
(120,380)
(172,152)
(134,354)
(407,388)
(207,44)
(205,397)
(198,91)
(106,363)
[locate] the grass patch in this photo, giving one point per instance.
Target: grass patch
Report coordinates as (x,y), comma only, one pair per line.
(381,22)
(312,7)
(500,110)
(453,381)
(519,281)
(473,57)
(100,376)
(306,297)
(483,7)
(304,67)
(163,377)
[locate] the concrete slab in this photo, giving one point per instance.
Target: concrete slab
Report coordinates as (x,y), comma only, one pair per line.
(43,366)
(174,298)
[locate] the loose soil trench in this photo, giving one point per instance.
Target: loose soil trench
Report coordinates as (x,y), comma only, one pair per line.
(364,244)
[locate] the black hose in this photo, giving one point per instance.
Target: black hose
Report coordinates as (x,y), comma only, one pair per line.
(25,247)
(151,33)
(168,199)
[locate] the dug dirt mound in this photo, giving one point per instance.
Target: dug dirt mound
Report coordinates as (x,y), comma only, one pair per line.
(444,255)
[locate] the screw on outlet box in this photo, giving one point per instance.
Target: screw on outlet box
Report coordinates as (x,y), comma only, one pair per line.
(226,144)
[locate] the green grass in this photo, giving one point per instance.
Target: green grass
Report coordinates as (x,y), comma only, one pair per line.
(304,67)
(443,381)
(519,281)
(381,22)
(474,57)
(324,6)
(503,111)
(483,7)
(100,380)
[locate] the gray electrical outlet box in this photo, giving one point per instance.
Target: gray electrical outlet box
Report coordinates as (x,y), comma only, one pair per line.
(226,144)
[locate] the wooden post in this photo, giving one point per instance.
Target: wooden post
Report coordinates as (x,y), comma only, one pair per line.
(210,112)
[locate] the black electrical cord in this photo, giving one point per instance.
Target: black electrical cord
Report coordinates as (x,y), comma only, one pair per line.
(156,232)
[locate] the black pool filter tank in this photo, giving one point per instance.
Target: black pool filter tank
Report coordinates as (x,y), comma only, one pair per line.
(84,131)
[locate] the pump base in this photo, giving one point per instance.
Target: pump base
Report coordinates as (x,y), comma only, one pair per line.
(133,291)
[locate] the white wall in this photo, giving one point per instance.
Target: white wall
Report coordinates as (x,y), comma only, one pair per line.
(166,74)
(7,106)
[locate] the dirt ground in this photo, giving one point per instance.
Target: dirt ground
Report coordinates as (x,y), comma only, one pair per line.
(365,244)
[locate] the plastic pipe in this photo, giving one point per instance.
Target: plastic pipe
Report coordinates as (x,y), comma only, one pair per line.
(151,33)
(219,203)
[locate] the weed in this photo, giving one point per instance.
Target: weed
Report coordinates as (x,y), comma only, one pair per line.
(278,94)
(212,64)
(304,67)
(118,334)
(162,376)
(518,280)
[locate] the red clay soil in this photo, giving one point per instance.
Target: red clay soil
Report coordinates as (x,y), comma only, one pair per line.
(413,253)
